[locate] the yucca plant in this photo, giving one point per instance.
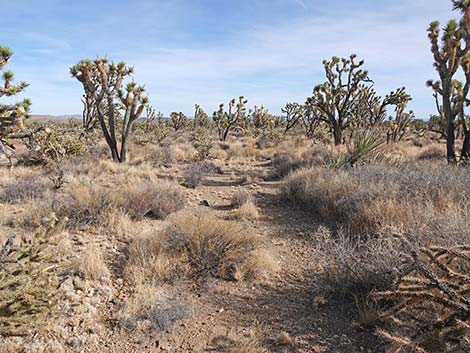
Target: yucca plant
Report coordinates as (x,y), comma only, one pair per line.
(366,145)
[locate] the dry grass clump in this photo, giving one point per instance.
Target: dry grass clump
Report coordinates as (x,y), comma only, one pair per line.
(290,160)
(195,173)
(198,247)
(248,211)
(23,189)
(433,152)
(154,200)
(85,205)
(240,197)
(90,265)
(250,343)
(148,309)
(371,197)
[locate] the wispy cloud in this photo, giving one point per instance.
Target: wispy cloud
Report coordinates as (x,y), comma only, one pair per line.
(221,51)
(301,3)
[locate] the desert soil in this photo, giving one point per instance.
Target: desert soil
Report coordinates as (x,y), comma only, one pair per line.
(292,302)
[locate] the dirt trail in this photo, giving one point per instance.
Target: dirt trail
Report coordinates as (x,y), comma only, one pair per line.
(289,302)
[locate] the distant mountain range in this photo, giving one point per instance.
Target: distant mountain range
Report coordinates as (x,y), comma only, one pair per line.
(40,117)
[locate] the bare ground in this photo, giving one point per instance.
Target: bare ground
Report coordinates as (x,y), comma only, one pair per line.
(227,313)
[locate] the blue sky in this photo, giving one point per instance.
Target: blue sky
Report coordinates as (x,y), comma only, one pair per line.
(208,51)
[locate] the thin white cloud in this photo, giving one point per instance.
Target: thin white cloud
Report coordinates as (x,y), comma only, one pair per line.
(301,3)
(270,64)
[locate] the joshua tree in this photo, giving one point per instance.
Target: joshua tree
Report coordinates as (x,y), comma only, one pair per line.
(398,126)
(11,115)
(336,98)
(103,80)
(370,109)
(261,119)
(293,113)
(200,117)
(310,120)
(228,120)
(178,120)
(450,53)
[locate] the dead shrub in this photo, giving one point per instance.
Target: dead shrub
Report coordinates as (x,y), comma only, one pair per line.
(357,266)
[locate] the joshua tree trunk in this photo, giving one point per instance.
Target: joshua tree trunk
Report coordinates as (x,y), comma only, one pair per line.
(337,134)
(465,155)
(450,120)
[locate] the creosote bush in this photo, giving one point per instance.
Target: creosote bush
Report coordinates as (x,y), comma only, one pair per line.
(199,247)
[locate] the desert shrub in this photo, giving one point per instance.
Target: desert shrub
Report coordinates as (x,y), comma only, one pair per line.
(241,197)
(146,199)
(85,205)
(370,197)
(164,155)
(198,247)
(195,173)
(27,284)
(149,306)
(82,204)
(29,187)
(286,162)
(357,266)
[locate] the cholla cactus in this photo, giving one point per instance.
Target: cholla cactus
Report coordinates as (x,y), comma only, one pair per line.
(178,120)
(231,119)
(27,285)
(114,103)
(11,115)
(431,297)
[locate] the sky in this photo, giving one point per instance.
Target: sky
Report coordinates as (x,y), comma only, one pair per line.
(209,51)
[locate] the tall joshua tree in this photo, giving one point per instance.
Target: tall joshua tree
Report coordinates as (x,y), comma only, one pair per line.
(11,115)
(451,52)
(337,96)
(228,120)
(115,103)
